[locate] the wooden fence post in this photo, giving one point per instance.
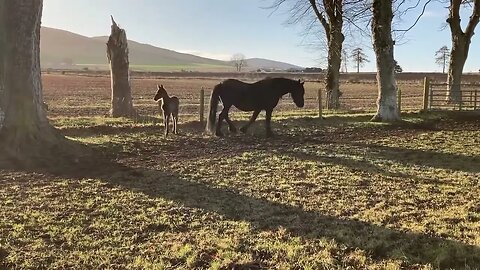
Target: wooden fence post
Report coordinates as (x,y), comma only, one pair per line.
(319,95)
(399,101)
(475,102)
(202,104)
(426,90)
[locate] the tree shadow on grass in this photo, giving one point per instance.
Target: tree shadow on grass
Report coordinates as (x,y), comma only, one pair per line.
(439,160)
(372,152)
(82,131)
(262,214)
(380,242)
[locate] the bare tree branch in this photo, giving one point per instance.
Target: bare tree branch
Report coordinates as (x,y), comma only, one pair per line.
(472,23)
(418,18)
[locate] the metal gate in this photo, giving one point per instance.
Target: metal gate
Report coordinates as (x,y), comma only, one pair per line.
(436,97)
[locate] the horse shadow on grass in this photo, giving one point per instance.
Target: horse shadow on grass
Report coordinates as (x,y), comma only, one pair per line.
(380,242)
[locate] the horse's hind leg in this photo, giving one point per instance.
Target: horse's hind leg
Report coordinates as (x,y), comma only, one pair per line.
(175,122)
(268,127)
(252,119)
(221,116)
(231,126)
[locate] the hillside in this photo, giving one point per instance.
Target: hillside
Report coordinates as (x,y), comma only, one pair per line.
(58,46)
(269,64)
(61,48)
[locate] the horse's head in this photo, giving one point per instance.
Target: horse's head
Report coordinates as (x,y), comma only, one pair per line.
(297,93)
(160,93)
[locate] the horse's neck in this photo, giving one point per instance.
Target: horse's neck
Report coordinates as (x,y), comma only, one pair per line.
(165,96)
(283,90)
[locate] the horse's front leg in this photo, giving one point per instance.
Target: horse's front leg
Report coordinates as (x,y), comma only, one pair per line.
(268,127)
(250,122)
(167,124)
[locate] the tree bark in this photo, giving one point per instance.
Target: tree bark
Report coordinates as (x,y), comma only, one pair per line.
(332,86)
(455,70)
(383,46)
(25,133)
(333,31)
(460,46)
(117,54)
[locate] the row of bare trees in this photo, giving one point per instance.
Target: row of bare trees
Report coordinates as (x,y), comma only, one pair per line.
(379,14)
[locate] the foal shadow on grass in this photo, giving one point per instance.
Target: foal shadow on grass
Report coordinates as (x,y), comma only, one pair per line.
(380,242)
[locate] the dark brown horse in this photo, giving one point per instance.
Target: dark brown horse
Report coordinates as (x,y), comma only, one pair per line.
(262,95)
(169,107)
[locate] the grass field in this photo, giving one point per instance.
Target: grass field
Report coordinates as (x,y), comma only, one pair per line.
(338,193)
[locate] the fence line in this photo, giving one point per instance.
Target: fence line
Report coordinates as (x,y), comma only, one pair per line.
(437,96)
(317,103)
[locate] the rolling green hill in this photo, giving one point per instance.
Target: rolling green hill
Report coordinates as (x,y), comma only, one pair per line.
(63,49)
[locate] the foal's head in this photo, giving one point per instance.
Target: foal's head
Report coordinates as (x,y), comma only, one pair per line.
(161,93)
(297,93)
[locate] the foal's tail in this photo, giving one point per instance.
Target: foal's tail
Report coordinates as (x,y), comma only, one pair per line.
(212,116)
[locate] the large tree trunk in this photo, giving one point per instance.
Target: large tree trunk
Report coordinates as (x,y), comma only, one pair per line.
(460,46)
(117,53)
(383,45)
(333,70)
(26,136)
(333,30)
(457,61)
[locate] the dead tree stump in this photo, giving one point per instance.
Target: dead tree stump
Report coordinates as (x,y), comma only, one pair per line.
(117,54)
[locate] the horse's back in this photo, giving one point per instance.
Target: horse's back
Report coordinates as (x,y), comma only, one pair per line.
(234,84)
(174,105)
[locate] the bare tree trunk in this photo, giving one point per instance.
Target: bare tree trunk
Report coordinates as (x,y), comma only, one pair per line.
(25,133)
(333,30)
(383,46)
(332,86)
(117,53)
(460,46)
(455,70)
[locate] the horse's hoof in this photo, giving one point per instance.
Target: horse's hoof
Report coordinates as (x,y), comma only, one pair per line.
(270,134)
(233,130)
(219,134)
(243,129)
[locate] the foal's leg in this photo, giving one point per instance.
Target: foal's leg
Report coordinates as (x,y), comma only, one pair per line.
(268,118)
(252,119)
(167,123)
(175,122)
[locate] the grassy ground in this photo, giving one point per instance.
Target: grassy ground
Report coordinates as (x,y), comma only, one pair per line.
(339,193)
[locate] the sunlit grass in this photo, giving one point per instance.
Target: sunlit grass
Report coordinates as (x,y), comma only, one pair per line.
(333,193)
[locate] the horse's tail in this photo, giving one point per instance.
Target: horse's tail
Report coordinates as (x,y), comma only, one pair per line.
(212,116)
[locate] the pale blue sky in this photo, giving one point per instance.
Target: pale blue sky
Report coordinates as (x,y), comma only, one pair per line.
(220,28)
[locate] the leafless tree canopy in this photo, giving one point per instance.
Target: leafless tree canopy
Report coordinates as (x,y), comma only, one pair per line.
(239,61)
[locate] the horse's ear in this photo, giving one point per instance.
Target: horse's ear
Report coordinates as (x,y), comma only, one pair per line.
(302,83)
(158,87)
